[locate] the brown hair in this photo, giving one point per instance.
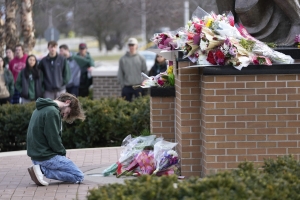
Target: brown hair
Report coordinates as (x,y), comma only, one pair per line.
(64,46)
(52,44)
(19,45)
(76,110)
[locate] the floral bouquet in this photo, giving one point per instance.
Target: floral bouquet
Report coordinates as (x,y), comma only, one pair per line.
(146,162)
(210,39)
(165,79)
(262,49)
(166,41)
(166,160)
(164,156)
(143,163)
(131,147)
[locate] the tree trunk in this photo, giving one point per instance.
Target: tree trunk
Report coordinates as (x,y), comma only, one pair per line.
(27,26)
(2,35)
(11,35)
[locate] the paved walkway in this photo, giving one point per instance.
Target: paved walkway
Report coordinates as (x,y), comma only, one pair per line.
(15,182)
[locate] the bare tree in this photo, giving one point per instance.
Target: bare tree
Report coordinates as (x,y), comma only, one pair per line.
(11,34)
(27,26)
(2,34)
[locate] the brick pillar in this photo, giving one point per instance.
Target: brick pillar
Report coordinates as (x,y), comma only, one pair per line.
(188,119)
(162,117)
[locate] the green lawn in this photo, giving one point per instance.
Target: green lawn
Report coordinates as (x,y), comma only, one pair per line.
(114,57)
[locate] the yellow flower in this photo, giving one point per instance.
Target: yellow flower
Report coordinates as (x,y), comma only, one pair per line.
(209,22)
(170,70)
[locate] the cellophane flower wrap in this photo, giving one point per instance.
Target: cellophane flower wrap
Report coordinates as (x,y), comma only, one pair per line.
(164,156)
(131,147)
(146,162)
(203,37)
(262,49)
(166,160)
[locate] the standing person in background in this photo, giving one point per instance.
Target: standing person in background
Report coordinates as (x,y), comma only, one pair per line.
(6,83)
(56,72)
(131,65)
(77,65)
(86,79)
(160,65)
(9,56)
(15,66)
(30,81)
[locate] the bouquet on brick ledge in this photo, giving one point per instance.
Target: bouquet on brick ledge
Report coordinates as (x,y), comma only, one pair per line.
(165,79)
(210,39)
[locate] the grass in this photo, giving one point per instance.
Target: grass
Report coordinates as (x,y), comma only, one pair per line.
(114,57)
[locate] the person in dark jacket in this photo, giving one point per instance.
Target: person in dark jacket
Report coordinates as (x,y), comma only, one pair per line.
(86,79)
(44,142)
(30,81)
(77,66)
(160,65)
(56,72)
(6,83)
(9,56)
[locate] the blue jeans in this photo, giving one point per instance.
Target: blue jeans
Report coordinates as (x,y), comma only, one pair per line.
(61,168)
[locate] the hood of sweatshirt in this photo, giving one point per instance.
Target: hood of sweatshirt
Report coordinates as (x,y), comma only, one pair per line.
(42,103)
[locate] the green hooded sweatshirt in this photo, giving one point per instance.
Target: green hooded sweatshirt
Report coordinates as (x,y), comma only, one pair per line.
(44,131)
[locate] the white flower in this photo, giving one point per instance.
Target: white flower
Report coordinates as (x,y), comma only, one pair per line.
(203,45)
(173,153)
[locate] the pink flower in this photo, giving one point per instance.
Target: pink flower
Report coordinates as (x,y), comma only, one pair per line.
(160,82)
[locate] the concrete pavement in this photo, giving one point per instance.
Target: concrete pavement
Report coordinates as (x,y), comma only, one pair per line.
(16,184)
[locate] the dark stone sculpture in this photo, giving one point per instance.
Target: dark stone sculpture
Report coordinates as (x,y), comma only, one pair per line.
(267,20)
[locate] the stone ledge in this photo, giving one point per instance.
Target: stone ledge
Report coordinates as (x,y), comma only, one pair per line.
(162,92)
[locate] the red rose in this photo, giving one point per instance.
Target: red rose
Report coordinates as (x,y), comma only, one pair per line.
(220,57)
(219,54)
(210,58)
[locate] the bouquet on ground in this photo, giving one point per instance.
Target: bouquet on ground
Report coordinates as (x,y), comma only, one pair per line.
(144,155)
(165,157)
(131,147)
(166,160)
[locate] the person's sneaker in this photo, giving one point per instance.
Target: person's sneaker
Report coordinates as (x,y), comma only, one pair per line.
(36,175)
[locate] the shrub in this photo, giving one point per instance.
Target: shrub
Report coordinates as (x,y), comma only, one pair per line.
(247,182)
(107,123)
(14,121)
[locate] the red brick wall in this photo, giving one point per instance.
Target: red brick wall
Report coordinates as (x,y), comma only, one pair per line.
(162,116)
(249,117)
(106,86)
(188,119)
(221,120)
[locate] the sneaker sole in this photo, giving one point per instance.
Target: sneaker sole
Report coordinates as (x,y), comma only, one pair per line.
(33,177)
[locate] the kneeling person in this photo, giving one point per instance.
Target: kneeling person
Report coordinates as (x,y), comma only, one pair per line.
(44,143)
